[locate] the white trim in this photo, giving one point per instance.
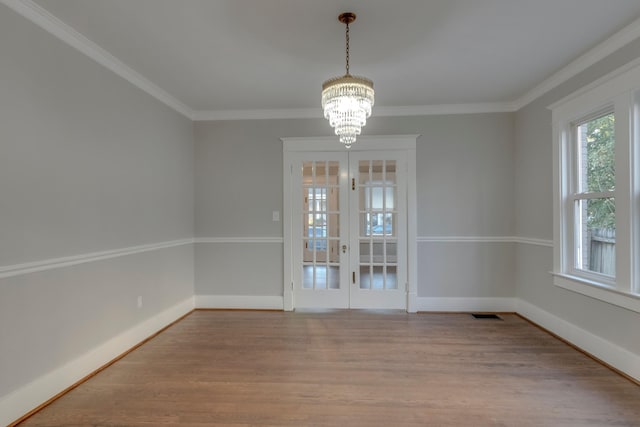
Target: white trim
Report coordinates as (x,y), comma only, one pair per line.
(616,91)
(445,109)
(610,353)
(239,240)
(287,230)
(592,56)
(265,114)
(363,143)
(465,239)
(26,398)
(248,302)
(533,241)
(48,22)
(584,92)
(634,183)
(412,298)
(293,145)
(597,291)
(485,239)
(50,264)
(316,113)
(412,231)
(466,304)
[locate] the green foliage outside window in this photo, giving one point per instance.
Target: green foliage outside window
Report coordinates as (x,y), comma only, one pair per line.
(601,171)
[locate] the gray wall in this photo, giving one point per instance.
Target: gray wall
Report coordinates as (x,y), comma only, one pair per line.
(464,186)
(534,217)
(88,163)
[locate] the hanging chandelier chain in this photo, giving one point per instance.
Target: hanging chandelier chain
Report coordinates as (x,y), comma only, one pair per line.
(347,37)
(347,100)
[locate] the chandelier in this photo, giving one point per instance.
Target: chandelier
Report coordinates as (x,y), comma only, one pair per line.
(347,100)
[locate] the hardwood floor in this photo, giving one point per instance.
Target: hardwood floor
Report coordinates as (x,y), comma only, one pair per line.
(350,368)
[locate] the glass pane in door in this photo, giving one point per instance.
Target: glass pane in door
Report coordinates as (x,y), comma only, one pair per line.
(320,223)
(378,218)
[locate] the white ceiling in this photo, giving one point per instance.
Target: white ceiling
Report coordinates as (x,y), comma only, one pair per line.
(221,55)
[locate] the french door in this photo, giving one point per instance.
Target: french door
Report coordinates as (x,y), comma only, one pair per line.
(348,229)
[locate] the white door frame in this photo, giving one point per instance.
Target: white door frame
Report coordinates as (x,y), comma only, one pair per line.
(364,143)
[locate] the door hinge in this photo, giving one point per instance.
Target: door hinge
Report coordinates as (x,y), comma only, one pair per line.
(353,183)
(353,277)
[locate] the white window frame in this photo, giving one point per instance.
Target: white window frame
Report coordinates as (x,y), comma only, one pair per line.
(575,194)
(618,92)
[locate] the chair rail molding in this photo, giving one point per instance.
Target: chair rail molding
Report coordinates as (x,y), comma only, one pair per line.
(52,263)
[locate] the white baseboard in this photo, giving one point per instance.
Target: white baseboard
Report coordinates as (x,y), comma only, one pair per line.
(21,401)
(412,302)
(610,353)
(466,304)
(417,303)
(240,302)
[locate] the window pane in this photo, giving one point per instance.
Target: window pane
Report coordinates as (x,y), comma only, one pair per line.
(334,277)
(392,277)
(307,277)
(378,224)
(365,277)
(596,236)
(321,277)
(390,174)
(378,277)
(596,150)
(392,252)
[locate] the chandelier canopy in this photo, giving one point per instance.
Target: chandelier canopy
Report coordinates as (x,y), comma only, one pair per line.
(347,100)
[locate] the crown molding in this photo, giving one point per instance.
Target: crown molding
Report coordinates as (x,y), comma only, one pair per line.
(316,113)
(48,22)
(265,114)
(593,55)
(64,32)
(444,109)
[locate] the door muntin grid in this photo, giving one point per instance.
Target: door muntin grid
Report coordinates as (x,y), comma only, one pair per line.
(378,225)
(321,225)
(347,204)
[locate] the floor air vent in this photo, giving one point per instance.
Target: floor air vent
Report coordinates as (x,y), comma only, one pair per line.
(486,316)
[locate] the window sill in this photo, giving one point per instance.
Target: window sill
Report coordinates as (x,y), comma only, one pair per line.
(595,290)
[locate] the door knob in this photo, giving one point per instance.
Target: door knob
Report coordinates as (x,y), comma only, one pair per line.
(344,249)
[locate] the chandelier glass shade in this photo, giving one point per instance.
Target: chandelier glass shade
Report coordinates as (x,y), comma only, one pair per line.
(347,100)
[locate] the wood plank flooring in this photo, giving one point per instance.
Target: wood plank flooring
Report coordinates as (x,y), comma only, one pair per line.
(349,368)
